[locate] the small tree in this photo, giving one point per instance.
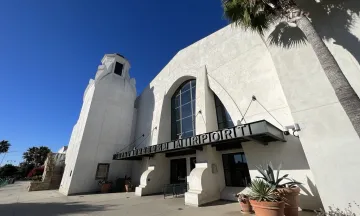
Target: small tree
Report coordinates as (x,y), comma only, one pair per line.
(36,155)
(8,170)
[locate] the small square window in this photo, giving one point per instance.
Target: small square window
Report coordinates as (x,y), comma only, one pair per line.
(102,171)
(118,68)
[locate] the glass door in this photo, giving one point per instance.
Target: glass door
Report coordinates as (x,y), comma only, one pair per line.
(178,171)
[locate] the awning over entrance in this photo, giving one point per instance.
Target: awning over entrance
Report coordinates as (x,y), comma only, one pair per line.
(260,131)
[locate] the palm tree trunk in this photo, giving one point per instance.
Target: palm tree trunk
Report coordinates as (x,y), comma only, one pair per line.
(348,98)
(3,158)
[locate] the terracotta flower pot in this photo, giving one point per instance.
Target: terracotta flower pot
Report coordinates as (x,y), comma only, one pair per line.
(291,198)
(246,206)
(268,208)
(127,188)
(105,188)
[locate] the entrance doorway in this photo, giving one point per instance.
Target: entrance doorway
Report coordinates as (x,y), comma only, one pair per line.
(178,171)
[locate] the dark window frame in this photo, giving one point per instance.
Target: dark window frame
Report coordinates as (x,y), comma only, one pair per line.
(235,171)
(97,177)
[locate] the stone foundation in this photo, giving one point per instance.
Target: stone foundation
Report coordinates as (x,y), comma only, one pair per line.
(37,186)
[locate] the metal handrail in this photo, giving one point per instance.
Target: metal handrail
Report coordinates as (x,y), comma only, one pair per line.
(3,182)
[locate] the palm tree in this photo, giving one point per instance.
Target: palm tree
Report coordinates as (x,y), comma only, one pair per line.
(258,15)
(4,148)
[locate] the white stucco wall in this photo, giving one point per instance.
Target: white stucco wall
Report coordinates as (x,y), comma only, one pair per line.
(234,65)
(329,141)
(75,139)
(289,83)
(106,129)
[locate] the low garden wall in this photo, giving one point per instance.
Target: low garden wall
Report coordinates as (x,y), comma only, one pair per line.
(53,170)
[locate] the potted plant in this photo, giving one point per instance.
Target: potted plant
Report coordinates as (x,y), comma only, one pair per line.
(105,186)
(265,200)
(289,191)
(244,203)
(127,184)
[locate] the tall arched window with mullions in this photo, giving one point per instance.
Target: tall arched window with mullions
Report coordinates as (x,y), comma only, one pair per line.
(183,111)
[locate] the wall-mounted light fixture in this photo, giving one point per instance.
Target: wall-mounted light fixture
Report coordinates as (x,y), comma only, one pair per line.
(294,128)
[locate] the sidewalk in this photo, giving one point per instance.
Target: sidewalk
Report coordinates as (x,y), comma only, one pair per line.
(16,201)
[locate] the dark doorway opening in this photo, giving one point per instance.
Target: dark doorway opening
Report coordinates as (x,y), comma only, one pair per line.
(236,170)
(178,171)
(192,163)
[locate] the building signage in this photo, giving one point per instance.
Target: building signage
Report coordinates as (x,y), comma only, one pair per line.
(198,140)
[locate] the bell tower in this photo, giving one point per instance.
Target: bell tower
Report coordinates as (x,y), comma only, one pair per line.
(104,127)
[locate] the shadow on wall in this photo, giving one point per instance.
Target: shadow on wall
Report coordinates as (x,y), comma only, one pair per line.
(164,133)
(332,19)
(145,105)
(50,209)
(292,157)
(311,198)
(289,154)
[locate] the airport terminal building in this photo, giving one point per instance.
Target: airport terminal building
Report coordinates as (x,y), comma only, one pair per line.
(218,109)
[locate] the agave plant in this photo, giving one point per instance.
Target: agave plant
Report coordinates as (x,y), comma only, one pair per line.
(269,176)
(261,191)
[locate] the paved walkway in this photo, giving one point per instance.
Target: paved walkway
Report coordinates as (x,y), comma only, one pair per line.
(16,201)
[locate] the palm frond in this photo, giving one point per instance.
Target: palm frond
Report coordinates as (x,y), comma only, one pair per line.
(256,15)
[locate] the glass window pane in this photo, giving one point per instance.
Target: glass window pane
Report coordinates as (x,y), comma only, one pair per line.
(222,126)
(219,114)
(193,83)
(238,158)
(193,107)
(188,134)
(186,124)
(193,92)
(244,158)
(178,127)
(217,101)
(230,124)
(228,118)
(186,110)
(186,87)
(185,97)
(177,101)
(177,113)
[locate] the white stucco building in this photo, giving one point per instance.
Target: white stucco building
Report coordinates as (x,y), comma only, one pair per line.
(198,122)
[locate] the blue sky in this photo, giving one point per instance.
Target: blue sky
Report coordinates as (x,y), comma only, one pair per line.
(50,49)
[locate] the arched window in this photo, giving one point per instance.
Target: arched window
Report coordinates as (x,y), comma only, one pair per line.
(183,111)
(223,117)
